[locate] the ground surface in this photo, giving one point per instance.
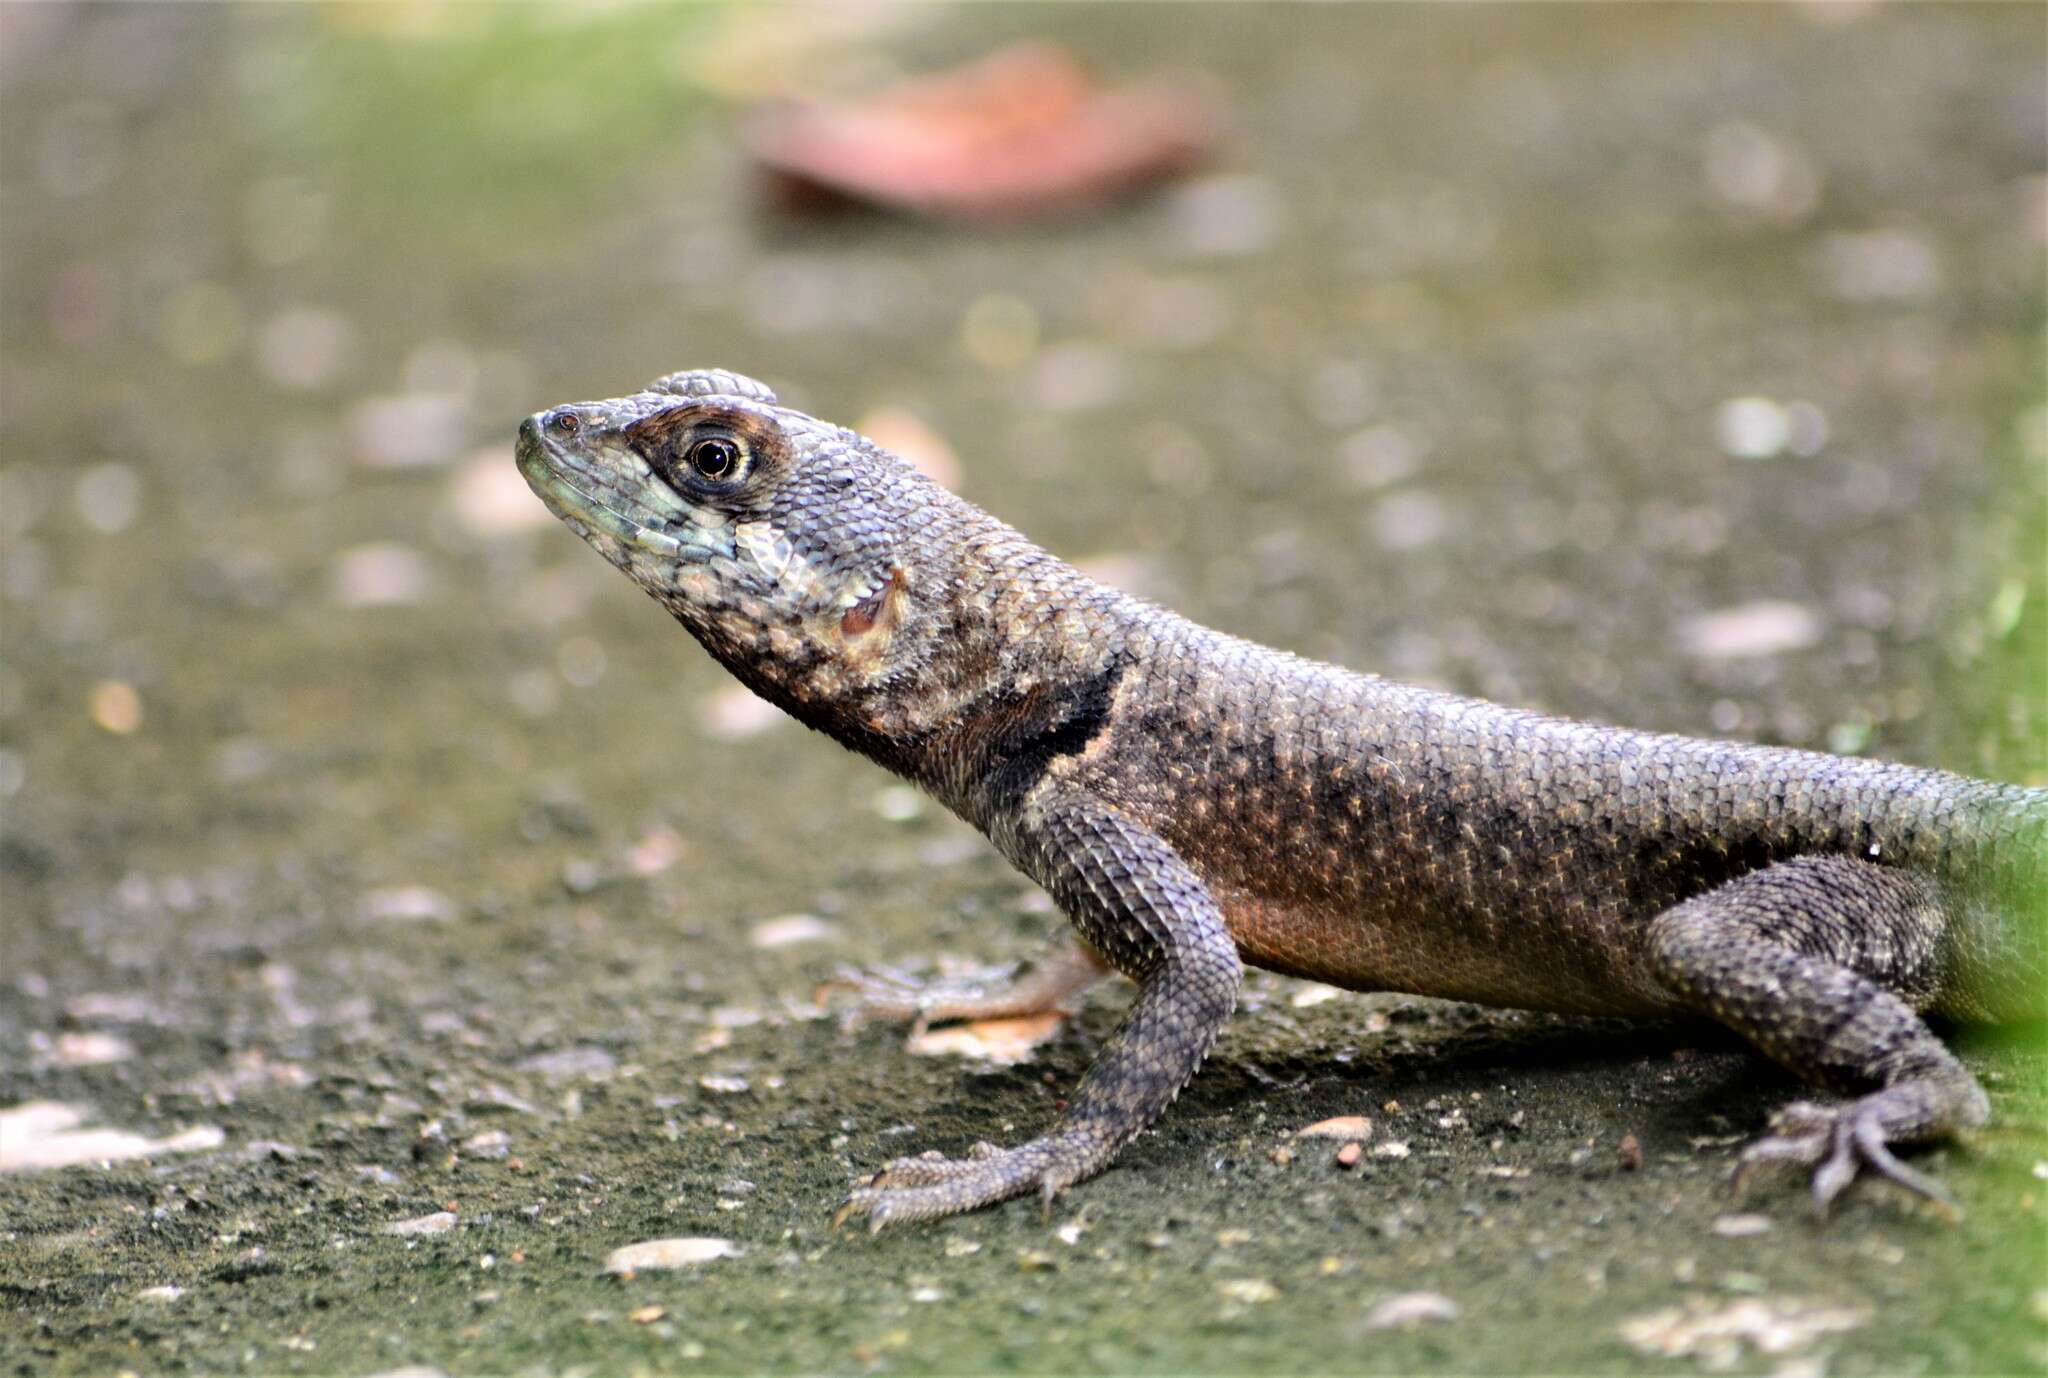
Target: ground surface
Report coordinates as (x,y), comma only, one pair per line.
(357,815)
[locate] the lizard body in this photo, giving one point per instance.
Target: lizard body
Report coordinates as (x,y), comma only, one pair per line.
(1195,802)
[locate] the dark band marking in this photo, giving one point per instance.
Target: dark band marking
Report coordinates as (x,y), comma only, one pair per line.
(1020,751)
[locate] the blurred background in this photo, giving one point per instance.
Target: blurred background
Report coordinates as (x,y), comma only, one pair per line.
(1678,366)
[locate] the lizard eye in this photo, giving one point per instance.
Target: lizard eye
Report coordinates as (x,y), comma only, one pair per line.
(566,422)
(717,458)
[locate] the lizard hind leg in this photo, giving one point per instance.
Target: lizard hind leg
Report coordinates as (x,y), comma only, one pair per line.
(1824,964)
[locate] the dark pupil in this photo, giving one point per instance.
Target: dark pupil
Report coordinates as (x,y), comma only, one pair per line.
(714,458)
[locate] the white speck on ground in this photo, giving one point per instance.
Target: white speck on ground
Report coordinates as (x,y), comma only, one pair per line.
(1741,1226)
(1338,1127)
(407,904)
(652,1255)
(1717,1335)
(1411,1309)
(440,1222)
(789,930)
(46,1134)
(1766,627)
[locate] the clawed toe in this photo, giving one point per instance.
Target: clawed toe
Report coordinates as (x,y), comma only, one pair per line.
(931,1185)
(1837,1142)
(928,1169)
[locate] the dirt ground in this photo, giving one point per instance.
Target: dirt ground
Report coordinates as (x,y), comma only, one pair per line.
(387,861)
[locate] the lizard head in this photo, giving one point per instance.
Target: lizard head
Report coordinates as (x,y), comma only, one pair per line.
(775,538)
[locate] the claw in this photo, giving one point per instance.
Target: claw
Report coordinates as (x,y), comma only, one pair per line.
(1878,1156)
(1834,1174)
(1837,1142)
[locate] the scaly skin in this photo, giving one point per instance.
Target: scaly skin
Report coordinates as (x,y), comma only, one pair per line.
(1194,802)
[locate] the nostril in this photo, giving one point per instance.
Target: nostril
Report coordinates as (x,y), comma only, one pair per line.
(529,429)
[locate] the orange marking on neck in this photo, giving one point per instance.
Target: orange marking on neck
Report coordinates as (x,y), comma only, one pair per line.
(862,616)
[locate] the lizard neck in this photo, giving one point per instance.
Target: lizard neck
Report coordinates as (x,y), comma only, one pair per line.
(994,658)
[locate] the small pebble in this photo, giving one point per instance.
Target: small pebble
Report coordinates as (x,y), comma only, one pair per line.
(1356,1127)
(561,1064)
(1764,628)
(645,1315)
(1741,1226)
(1630,1153)
(1752,428)
(1251,1291)
(1349,1155)
(1411,1309)
(789,930)
(440,1222)
(91,1049)
(165,1294)
(1393,1148)
(655,1254)
(114,707)
(407,904)
(47,1134)
(1717,1335)
(660,849)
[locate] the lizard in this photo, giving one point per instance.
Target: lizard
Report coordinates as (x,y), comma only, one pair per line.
(1196,803)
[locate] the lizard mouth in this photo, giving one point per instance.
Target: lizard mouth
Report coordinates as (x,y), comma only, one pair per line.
(555,479)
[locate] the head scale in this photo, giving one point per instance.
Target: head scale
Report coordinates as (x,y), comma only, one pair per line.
(780,541)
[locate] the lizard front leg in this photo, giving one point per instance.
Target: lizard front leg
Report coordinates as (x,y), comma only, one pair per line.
(1135,902)
(1822,962)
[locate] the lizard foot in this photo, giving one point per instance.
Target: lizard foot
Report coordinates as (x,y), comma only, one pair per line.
(1837,1142)
(894,997)
(1049,985)
(931,1185)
